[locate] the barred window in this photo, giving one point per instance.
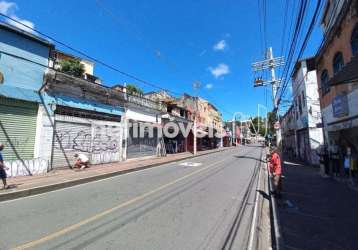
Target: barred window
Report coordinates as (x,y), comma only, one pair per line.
(338,62)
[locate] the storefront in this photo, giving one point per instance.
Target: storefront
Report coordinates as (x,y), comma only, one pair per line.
(143,137)
(97,135)
(18,128)
(179,143)
(141,146)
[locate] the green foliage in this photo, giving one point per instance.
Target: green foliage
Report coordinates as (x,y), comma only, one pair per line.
(259,125)
(72,67)
(134,90)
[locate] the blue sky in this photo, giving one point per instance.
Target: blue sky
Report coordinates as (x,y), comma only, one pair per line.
(170,43)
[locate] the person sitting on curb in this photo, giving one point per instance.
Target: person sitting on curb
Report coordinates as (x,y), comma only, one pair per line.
(3,175)
(276,171)
(82,161)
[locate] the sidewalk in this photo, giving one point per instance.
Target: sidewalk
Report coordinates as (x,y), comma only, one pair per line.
(62,178)
(316,212)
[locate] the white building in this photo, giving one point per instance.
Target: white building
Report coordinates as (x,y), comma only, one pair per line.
(305,115)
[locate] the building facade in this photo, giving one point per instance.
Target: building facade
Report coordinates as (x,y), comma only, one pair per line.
(23,62)
(337,71)
(176,114)
(143,124)
(85,118)
(307,112)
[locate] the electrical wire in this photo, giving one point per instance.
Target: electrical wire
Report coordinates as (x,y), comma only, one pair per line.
(90,57)
(304,44)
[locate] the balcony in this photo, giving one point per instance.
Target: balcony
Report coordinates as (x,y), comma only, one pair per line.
(58,83)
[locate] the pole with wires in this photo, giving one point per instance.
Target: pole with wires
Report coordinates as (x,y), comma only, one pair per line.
(270,63)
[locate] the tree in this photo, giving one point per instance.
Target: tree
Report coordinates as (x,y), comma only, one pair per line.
(258,125)
(72,67)
(134,90)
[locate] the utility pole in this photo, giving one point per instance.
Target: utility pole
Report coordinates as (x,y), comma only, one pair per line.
(270,63)
(196,86)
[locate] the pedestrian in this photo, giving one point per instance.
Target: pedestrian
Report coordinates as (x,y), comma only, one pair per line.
(347,162)
(3,175)
(276,171)
(81,162)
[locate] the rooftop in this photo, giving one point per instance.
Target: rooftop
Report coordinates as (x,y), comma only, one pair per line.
(25,34)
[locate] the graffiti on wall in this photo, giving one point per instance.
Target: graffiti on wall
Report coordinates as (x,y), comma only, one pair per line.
(104,139)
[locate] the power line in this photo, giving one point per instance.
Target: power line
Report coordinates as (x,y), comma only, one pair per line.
(158,54)
(56,70)
(284,27)
(296,33)
(90,57)
(260,25)
(265,22)
(304,44)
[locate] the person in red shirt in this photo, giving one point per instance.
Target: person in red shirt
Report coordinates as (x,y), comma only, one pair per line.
(276,171)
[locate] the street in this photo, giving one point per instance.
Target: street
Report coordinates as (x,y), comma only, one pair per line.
(190,204)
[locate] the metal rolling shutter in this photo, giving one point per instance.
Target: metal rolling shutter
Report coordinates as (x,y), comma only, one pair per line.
(70,138)
(18,130)
(140,147)
(106,143)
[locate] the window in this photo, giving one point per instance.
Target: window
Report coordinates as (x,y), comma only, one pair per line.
(354,41)
(300,104)
(303,98)
(338,62)
(324,82)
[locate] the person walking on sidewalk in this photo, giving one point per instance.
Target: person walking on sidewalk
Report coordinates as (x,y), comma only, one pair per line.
(276,171)
(3,175)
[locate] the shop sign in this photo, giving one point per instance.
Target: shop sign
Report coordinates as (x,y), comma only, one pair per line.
(340,106)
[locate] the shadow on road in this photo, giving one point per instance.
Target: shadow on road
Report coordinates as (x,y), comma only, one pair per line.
(263,194)
(249,157)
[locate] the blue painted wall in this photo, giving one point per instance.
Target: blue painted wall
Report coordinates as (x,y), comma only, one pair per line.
(18,72)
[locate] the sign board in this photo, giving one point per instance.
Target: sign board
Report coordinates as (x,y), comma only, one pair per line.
(340,106)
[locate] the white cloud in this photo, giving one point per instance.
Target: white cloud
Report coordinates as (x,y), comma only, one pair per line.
(6,7)
(209,86)
(220,70)
(9,9)
(221,45)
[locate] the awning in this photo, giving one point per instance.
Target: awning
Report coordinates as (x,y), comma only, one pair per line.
(87,105)
(19,93)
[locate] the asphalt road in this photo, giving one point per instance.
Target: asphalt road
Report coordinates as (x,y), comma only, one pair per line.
(173,206)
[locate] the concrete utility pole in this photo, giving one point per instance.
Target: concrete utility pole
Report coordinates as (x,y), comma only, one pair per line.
(196,86)
(270,63)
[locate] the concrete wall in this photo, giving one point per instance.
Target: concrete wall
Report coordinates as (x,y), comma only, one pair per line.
(141,115)
(18,72)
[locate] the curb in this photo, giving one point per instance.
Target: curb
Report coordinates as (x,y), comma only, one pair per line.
(278,241)
(62,185)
